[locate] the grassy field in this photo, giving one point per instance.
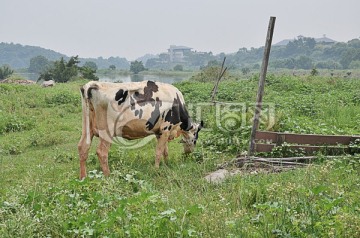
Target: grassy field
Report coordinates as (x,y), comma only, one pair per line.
(41,196)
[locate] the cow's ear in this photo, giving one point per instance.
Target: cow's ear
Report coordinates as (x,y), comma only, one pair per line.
(201,124)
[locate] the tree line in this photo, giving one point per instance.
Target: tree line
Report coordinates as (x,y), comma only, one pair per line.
(301,53)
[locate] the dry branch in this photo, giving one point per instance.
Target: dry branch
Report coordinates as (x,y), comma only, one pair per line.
(221,74)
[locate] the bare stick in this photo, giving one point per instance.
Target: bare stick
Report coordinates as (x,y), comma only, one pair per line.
(221,73)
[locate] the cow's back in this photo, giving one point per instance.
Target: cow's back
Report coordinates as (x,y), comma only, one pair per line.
(134,110)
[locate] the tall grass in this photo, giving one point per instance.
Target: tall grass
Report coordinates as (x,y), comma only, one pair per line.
(40,195)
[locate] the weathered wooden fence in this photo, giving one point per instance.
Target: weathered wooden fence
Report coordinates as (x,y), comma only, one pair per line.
(266,141)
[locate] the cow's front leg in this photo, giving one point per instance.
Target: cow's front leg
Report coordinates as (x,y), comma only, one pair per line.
(161,148)
(102,152)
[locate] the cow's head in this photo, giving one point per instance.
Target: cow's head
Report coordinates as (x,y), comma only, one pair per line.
(190,137)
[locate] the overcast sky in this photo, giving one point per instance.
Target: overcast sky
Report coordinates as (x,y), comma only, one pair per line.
(132,28)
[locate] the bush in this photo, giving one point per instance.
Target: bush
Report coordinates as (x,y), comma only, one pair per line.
(63,98)
(314,72)
(208,74)
(5,71)
(15,124)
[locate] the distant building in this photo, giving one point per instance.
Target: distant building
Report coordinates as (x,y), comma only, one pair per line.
(323,40)
(177,53)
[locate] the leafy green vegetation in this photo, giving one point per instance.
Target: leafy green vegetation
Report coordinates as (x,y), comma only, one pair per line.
(5,72)
(40,195)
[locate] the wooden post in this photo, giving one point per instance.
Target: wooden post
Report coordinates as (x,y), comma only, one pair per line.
(261,84)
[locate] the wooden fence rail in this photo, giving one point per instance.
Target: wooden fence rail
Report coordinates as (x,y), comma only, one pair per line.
(266,141)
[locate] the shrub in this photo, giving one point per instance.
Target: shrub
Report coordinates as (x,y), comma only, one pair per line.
(63,98)
(314,72)
(5,71)
(15,124)
(208,74)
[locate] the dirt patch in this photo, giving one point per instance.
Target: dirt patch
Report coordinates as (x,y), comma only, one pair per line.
(245,165)
(18,81)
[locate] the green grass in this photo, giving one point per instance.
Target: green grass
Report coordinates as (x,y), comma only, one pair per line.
(40,195)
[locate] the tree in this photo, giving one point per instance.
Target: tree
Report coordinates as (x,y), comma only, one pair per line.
(38,64)
(178,67)
(355,64)
(61,71)
(136,67)
(352,54)
(303,62)
(91,65)
(89,73)
(5,71)
(245,70)
(213,63)
(314,72)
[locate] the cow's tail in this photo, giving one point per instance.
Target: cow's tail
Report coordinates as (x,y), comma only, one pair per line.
(85,102)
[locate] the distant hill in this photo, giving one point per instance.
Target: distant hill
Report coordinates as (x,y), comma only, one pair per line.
(18,56)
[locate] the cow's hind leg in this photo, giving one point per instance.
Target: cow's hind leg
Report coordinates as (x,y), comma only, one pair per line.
(161,149)
(83,149)
(102,152)
(166,153)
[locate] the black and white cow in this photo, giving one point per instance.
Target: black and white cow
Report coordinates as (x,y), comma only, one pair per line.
(131,111)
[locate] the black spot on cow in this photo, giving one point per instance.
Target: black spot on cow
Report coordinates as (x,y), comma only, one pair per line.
(155,115)
(147,97)
(170,127)
(165,128)
(132,103)
(177,114)
(139,113)
(121,96)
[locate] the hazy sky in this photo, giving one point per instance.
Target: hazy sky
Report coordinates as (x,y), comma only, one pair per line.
(132,28)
